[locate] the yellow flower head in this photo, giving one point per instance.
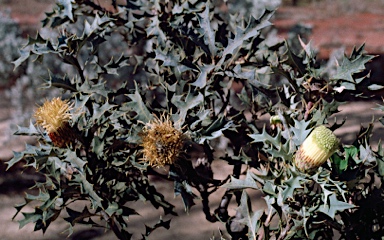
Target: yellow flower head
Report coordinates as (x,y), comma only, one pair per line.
(162,143)
(53,115)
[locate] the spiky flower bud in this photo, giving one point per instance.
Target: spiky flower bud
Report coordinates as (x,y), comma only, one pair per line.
(162,143)
(54,117)
(316,149)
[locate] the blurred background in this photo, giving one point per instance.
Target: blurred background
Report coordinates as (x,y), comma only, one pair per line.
(334,27)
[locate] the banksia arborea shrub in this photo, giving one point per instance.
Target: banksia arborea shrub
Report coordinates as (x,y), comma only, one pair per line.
(316,149)
(210,76)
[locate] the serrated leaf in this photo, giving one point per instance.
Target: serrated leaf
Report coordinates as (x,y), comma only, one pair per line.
(168,59)
(154,29)
(137,105)
(87,188)
(160,223)
(185,190)
(248,182)
(77,217)
(96,24)
(24,55)
(242,35)
(249,218)
(295,61)
(71,157)
(291,184)
(64,83)
(202,78)
(215,129)
(334,206)
(28,218)
(300,131)
(351,66)
(184,104)
(113,209)
(267,139)
(89,88)
(206,30)
(374,87)
(339,164)
(17,157)
(283,151)
(99,111)
(67,8)
(29,131)
(250,74)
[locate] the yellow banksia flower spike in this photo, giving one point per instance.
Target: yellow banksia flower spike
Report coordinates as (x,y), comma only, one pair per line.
(162,143)
(316,149)
(54,117)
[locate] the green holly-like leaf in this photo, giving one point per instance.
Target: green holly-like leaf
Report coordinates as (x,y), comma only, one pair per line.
(247,182)
(251,74)
(340,164)
(351,152)
(329,108)
(60,82)
(138,106)
(29,131)
(334,206)
(252,30)
(169,59)
(206,30)
(185,103)
(78,217)
(90,88)
(74,160)
(215,129)
(283,151)
(202,79)
(87,188)
(267,139)
(160,223)
(99,111)
(30,218)
(24,55)
(294,182)
(249,218)
(350,66)
(300,131)
(185,190)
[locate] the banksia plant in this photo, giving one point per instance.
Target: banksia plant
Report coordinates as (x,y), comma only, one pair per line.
(162,143)
(316,149)
(220,72)
(54,117)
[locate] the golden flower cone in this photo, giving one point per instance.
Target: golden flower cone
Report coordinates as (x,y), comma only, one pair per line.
(162,143)
(54,117)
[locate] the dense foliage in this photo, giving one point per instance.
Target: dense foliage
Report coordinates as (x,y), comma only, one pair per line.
(158,84)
